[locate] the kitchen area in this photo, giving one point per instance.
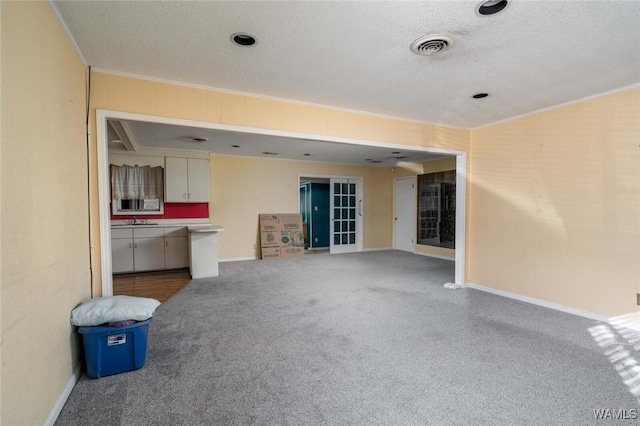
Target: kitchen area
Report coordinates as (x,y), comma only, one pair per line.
(161,234)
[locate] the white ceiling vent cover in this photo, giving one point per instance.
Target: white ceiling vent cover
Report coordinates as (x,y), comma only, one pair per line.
(431,44)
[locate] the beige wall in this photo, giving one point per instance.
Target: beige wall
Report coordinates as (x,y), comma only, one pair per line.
(242,188)
(555,205)
(44,243)
(118,93)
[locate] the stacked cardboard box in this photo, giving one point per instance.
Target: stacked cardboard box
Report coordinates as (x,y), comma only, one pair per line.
(281,235)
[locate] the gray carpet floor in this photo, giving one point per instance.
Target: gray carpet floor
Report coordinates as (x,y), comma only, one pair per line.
(356,339)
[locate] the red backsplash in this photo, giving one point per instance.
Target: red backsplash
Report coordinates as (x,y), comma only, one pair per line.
(173,211)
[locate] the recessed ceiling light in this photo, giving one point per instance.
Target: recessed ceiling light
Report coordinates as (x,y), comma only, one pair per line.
(307,155)
(480,95)
(199,139)
(395,152)
(235,146)
(243,39)
(270,153)
(368,159)
(375,161)
(400,157)
(491,7)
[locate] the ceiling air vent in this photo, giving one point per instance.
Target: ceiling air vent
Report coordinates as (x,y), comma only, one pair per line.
(431,44)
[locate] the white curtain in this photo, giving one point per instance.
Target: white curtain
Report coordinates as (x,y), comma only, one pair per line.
(134,182)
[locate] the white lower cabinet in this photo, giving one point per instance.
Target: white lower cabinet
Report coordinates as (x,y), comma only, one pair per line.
(149,249)
(121,255)
(148,254)
(176,248)
(121,250)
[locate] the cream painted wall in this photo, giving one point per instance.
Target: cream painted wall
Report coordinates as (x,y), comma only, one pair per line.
(44,243)
(242,188)
(120,93)
(555,205)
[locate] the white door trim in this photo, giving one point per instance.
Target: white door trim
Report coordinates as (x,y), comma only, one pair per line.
(413,211)
(103,177)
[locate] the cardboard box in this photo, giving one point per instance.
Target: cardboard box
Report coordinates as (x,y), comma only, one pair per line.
(269,230)
(284,232)
(292,243)
(291,235)
(290,222)
(269,222)
(270,252)
(269,239)
(291,251)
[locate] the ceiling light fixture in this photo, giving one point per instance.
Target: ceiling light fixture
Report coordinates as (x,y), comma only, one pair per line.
(243,39)
(395,152)
(235,146)
(199,139)
(480,95)
(270,153)
(491,7)
(307,155)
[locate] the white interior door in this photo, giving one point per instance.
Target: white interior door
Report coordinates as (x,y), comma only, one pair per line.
(404,208)
(347,212)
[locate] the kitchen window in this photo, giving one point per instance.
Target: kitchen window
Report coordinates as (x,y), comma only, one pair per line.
(137,189)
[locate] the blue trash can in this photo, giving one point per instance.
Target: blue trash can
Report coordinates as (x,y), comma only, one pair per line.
(114,350)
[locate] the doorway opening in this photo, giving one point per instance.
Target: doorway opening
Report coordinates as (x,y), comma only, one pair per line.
(352,145)
(332,209)
(315,211)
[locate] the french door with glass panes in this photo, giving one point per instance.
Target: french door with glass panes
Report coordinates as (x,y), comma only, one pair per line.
(347,209)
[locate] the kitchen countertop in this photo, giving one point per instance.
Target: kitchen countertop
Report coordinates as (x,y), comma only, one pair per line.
(154,223)
(205,228)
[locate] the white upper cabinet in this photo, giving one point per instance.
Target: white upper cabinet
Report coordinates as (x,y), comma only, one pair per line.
(186,180)
(198,180)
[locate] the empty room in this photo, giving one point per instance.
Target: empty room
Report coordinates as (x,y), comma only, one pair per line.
(393,212)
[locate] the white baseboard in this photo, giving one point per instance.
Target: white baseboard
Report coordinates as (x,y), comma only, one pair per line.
(539,302)
(437,256)
(62,399)
(378,249)
(238,259)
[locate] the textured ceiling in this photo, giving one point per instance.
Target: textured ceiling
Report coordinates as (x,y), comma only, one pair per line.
(355,55)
